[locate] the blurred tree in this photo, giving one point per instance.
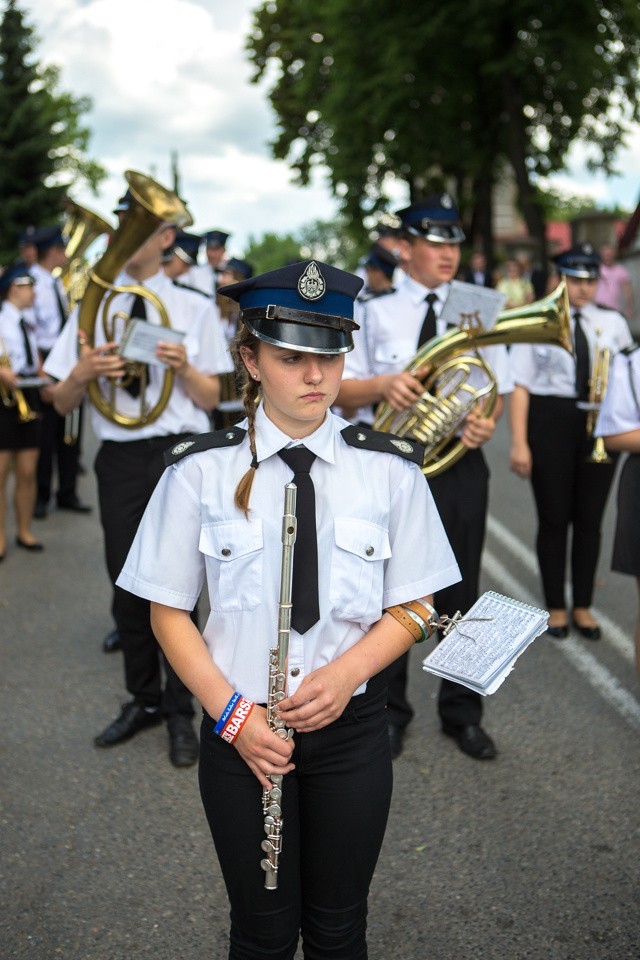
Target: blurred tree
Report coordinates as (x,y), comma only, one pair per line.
(321,240)
(271,251)
(42,141)
(419,92)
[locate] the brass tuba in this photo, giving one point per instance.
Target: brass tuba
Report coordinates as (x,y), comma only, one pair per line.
(444,365)
(151,207)
(80,229)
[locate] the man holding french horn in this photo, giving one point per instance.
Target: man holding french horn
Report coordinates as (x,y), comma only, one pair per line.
(139,410)
(397,325)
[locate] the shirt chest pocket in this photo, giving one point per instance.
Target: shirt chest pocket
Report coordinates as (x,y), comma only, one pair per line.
(233,553)
(395,353)
(357,568)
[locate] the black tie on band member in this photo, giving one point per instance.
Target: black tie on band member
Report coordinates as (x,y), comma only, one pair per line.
(305,604)
(428,329)
(27,345)
(139,312)
(583,367)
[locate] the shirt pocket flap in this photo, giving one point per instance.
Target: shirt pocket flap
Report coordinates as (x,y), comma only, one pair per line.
(362,538)
(231,540)
(396,351)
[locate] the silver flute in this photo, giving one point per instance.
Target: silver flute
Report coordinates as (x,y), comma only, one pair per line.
(278,657)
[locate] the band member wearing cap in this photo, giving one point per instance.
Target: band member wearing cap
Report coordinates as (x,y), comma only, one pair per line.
(183,255)
(204,276)
(361,551)
(130,461)
(396,326)
(19,436)
(619,424)
(552,446)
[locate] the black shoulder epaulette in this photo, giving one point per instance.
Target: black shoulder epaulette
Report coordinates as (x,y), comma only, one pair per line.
(230,437)
(184,286)
(630,349)
(384,443)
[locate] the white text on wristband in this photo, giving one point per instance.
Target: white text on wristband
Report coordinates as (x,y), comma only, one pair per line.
(234,724)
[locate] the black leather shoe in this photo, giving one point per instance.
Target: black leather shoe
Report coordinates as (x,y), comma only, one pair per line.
(396,740)
(133,718)
(33,547)
(183,743)
(559,633)
(40,510)
(473,741)
(74,504)
(112,642)
(589,633)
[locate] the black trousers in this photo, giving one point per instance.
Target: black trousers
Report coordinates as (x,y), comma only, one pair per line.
(53,450)
(127,474)
(570,492)
(461,495)
(334,809)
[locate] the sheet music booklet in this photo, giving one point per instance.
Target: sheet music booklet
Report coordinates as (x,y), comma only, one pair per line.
(481,650)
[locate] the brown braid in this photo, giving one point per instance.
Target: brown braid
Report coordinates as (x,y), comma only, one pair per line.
(250,395)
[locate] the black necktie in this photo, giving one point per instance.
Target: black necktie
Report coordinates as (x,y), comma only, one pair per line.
(583,367)
(138,311)
(428,329)
(305,605)
(61,307)
(27,345)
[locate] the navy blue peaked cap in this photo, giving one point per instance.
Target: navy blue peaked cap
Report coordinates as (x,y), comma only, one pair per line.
(435,218)
(241,267)
(216,238)
(124,202)
(186,246)
(383,259)
(306,306)
(579,261)
(15,275)
(46,237)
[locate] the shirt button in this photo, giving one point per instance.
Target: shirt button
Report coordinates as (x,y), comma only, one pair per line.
(295,671)
(369,551)
(226,552)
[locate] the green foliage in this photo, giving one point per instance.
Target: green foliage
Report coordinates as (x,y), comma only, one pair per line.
(322,240)
(42,141)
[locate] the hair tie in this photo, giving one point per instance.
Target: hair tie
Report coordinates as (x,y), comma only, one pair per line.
(254,462)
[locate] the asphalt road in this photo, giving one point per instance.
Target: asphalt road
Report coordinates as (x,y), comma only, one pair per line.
(106,854)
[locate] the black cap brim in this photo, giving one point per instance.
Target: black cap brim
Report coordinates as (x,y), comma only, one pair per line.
(299,336)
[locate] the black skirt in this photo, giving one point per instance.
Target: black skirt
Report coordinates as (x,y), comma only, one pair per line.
(15,435)
(626,544)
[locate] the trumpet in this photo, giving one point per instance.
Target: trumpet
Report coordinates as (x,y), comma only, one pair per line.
(14,397)
(597,388)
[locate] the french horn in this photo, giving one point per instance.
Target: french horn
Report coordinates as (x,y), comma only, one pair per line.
(152,206)
(444,366)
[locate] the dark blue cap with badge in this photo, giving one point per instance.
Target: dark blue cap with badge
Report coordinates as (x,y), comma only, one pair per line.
(26,236)
(580,261)
(46,237)
(306,306)
(216,238)
(382,259)
(435,218)
(17,275)
(186,247)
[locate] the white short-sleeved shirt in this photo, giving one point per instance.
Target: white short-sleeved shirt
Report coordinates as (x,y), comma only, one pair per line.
(389,339)
(380,542)
(189,312)
(47,306)
(547,370)
(203,277)
(620,410)
(13,339)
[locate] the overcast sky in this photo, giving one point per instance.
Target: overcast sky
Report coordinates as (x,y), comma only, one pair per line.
(173,75)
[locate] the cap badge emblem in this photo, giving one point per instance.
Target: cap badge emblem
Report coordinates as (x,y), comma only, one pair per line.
(403,446)
(588,249)
(181,447)
(446,201)
(311,284)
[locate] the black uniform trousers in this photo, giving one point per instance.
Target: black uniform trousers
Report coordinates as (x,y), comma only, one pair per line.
(335,806)
(569,491)
(461,495)
(127,475)
(65,455)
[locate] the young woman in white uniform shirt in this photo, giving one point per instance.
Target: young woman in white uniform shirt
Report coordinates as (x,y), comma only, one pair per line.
(217,516)
(619,424)
(551,445)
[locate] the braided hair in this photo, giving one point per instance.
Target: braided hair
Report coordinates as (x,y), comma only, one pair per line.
(250,393)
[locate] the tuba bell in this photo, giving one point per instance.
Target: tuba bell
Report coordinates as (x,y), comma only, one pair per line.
(151,207)
(444,366)
(80,229)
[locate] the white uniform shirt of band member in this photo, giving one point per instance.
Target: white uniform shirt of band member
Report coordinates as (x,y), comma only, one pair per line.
(189,312)
(388,340)
(46,306)
(547,370)
(13,339)
(620,410)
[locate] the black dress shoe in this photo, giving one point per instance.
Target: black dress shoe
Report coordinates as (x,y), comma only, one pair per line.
(396,739)
(34,547)
(133,718)
(183,743)
(589,633)
(112,642)
(473,741)
(560,633)
(40,510)
(74,504)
